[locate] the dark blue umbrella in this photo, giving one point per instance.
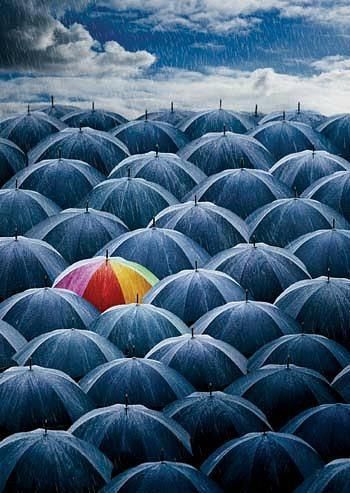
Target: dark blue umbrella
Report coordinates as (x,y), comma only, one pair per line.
(12,160)
(130,435)
(283,391)
(204,361)
(217,152)
(100,149)
(26,263)
(337,130)
(311,118)
(134,200)
(94,118)
(284,220)
(264,270)
(78,233)
(192,293)
(11,341)
(73,351)
(41,310)
(242,191)
(162,251)
(211,226)
(168,170)
(57,110)
(146,382)
(173,116)
(51,461)
(341,384)
(136,328)
(262,463)
(332,478)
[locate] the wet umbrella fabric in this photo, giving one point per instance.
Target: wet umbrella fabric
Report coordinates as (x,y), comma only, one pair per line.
(337,130)
(173,116)
(11,341)
(93,118)
(341,384)
(332,478)
(12,160)
(311,118)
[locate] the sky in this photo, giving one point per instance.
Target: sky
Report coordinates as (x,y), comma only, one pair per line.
(129,55)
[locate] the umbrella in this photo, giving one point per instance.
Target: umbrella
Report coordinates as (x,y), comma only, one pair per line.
(283,391)
(11,341)
(26,263)
(41,310)
(285,220)
(311,118)
(50,461)
(332,478)
(20,210)
(322,305)
(341,384)
(262,463)
(211,226)
(173,116)
(162,251)
(65,181)
(57,110)
(191,293)
(129,435)
(12,160)
(78,233)
(264,270)
(100,149)
(94,118)
(217,152)
(308,350)
(106,282)
(204,361)
(136,328)
(168,170)
(242,191)
(213,418)
(73,351)
(246,325)
(134,200)
(146,382)
(32,395)
(300,170)
(337,130)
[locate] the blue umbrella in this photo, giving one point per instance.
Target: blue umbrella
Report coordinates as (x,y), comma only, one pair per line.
(332,478)
(100,149)
(12,160)
(129,435)
(217,152)
(73,351)
(246,325)
(265,271)
(94,118)
(41,310)
(78,233)
(341,384)
(11,341)
(285,220)
(212,227)
(134,200)
(337,130)
(262,463)
(242,191)
(162,251)
(51,461)
(308,350)
(136,328)
(173,116)
(26,263)
(204,361)
(311,118)
(191,293)
(57,110)
(168,170)
(146,382)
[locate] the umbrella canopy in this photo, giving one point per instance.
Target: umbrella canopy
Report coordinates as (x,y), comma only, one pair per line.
(145,381)
(204,361)
(26,263)
(322,305)
(57,110)
(134,200)
(192,293)
(100,149)
(168,170)
(333,477)
(41,310)
(242,191)
(311,118)
(162,251)
(246,325)
(173,116)
(11,341)
(51,461)
(265,271)
(283,391)
(217,152)
(106,282)
(12,160)
(136,328)
(337,130)
(94,118)
(212,227)
(78,234)
(262,463)
(341,384)
(129,435)
(284,220)
(73,351)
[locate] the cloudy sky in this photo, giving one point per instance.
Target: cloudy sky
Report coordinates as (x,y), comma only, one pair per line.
(127,55)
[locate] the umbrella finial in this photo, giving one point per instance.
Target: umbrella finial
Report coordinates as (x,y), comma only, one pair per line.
(196,265)
(172,107)
(28,109)
(195,200)
(313,150)
(288,361)
(333,223)
(16,185)
(224,129)
(328,274)
(256,111)
(299,108)
(246,295)
(153,222)
(126,403)
(60,153)
(93,106)
(80,127)
(162,456)
(241,163)
(192,332)
(45,427)
(210,388)
(254,241)
(16,233)
(157,150)
(220,104)
(295,193)
(87,206)
(107,255)
(30,364)
(52,102)
(146,114)
(284,115)
(129,172)
(137,299)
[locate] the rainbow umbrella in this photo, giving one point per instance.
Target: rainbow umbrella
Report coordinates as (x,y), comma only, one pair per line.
(107,281)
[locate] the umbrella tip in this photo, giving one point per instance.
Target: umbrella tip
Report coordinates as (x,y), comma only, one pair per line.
(129,172)
(246,295)
(153,222)
(87,206)
(224,131)
(16,233)
(45,427)
(284,115)
(333,223)
(52,102)
(328,274)
(195,200)
(126,405)
(313,150)
(162,456)
(137,299)
(210,388)
(107,255)
(80,127)
(196,265)
(157,150)
(93,106)
(295,193)
(60,154)
(172,107)
(30,364)
(146,115)
(28,109)
(220,104)
(241,162)
(16,185)
(192,332)
(288,361)
(254,241)
(299,108)
(256,110)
